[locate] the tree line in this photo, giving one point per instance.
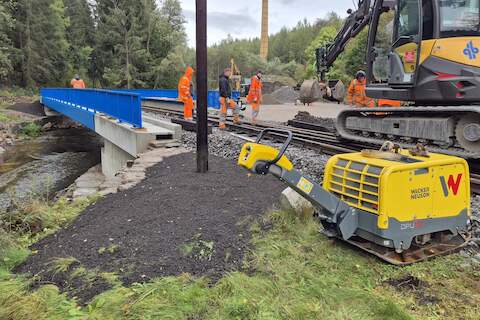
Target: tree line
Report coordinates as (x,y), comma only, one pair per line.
(142,44)
(292,52)
(110,43)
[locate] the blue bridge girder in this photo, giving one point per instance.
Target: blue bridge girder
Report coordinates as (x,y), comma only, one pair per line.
(125,105)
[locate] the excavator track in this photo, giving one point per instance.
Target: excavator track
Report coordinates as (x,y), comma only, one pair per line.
(453,130)
(441,245)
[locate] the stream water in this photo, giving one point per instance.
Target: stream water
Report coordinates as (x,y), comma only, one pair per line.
(43,166)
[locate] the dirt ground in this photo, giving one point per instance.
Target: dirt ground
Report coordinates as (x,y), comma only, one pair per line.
(176,221)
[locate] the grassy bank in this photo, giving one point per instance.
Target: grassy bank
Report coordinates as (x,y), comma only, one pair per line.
(293,273)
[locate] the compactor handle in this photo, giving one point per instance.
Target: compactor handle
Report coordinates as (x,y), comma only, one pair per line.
(264,168)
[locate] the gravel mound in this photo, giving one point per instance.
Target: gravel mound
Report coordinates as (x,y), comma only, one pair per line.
(175,221)
(285,94)
(269,99)
(326,123)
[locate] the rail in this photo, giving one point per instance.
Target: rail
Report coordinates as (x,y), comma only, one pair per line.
(82,104)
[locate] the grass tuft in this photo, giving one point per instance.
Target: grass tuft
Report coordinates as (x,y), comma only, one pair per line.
(30,130)
(62,265)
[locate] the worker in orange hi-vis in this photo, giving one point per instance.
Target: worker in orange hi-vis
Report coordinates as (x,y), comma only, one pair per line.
(254,97)
(226,101)
(356,92)
(185,93)
(77,82)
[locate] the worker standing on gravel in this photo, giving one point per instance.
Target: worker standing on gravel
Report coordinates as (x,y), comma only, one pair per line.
(185,93)
(254,97)
(77,82)
(356,92)
(226,100)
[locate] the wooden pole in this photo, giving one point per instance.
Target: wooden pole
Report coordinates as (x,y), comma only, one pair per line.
(202,87)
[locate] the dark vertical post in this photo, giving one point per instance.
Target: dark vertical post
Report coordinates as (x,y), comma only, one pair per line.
(202,87)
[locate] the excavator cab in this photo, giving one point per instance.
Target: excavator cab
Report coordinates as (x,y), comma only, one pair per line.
(424,51)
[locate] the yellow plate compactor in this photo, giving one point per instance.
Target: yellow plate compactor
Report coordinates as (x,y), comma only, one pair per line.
(400,205)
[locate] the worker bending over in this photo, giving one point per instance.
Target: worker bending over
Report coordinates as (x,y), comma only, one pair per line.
(356,92)
(254,97)
(185,93)
(226,100)
(77,82)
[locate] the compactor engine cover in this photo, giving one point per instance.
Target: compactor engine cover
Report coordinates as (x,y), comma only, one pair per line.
(404,200)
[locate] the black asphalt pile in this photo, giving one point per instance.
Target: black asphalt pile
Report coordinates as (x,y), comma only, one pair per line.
(34,108)
(326,123)
(175,221)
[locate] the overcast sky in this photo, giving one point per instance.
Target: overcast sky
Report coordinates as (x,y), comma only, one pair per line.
(241,18)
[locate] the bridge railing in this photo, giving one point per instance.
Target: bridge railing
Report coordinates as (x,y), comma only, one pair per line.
(212,97)
(82,104)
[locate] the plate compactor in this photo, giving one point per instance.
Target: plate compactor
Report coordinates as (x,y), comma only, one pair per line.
(403,206)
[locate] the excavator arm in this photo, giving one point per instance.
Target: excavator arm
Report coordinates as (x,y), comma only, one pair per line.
(354,24)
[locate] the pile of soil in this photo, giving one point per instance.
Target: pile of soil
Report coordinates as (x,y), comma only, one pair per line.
(285,94)
(326,123)
(269,99)
(34,108)
(175,221)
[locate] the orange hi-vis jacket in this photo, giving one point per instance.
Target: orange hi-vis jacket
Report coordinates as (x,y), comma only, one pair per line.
(184,85)
(356,94)
(185,94)
(255,92)
(77,84)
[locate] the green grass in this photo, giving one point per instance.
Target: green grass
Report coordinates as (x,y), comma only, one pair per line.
(13,92)
(8,118)
(62,265)
(297,274)
(30,130)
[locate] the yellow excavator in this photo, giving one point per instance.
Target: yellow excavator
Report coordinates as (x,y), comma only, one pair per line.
(424,52)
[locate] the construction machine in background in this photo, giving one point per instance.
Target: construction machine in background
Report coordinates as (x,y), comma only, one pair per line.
(423,52)
(403,206)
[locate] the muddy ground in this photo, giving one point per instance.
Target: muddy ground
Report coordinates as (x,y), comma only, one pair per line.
(176,221)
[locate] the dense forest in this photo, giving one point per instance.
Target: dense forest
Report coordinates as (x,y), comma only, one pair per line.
(142,44)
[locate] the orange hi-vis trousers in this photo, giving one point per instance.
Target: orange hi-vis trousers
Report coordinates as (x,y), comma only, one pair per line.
(187,108)
(224,105)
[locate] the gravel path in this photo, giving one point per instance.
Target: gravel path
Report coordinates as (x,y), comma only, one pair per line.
(175,221)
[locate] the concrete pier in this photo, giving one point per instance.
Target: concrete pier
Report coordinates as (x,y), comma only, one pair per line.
(124,143)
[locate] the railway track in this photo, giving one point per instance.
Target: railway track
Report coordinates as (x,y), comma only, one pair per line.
(305,134)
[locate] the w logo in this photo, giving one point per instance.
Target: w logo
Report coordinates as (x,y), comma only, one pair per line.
(451,185)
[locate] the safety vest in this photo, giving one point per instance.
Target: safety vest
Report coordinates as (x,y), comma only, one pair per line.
(77,84)
(357,95)
(255,92)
